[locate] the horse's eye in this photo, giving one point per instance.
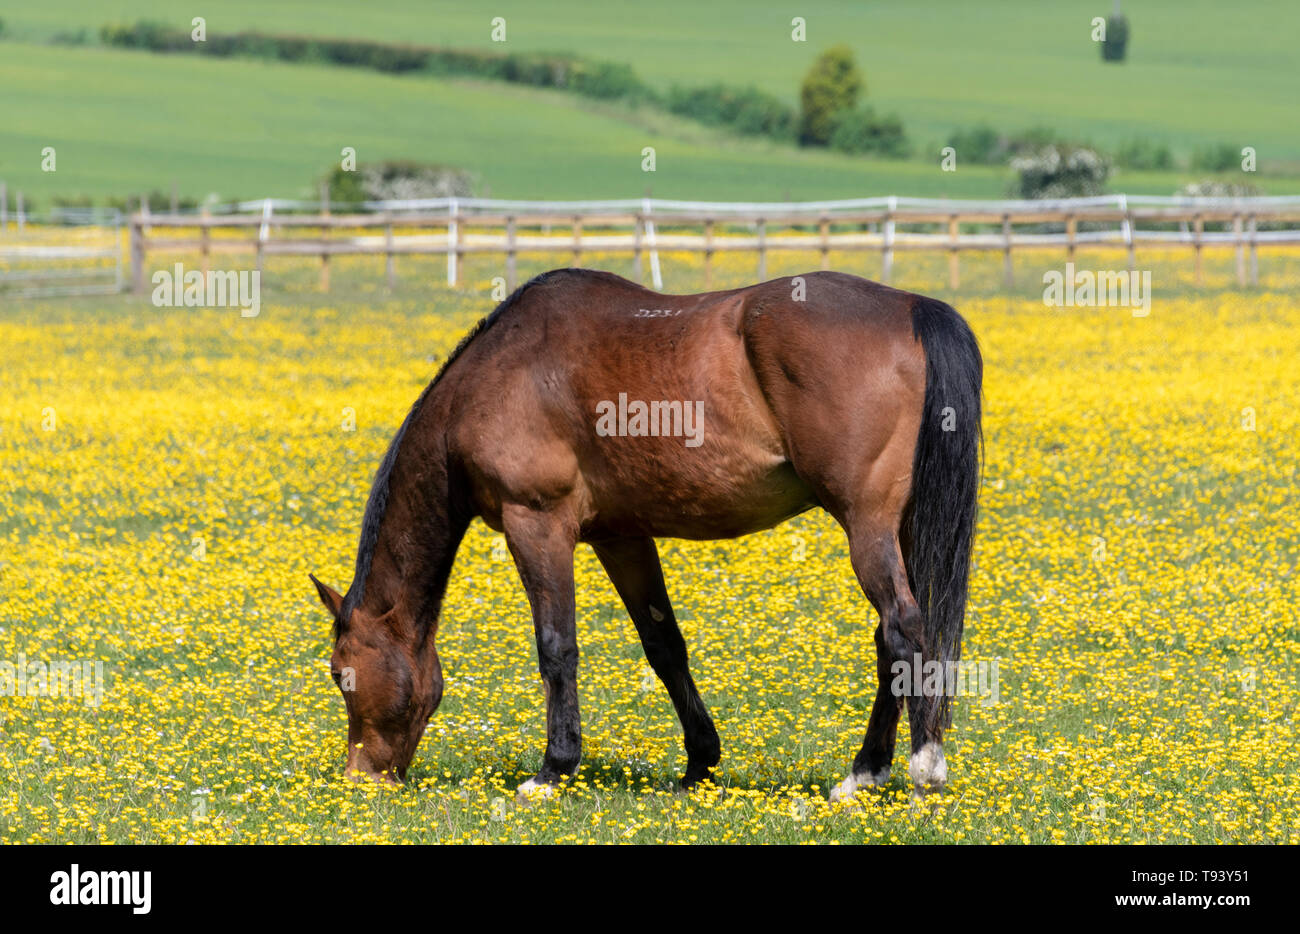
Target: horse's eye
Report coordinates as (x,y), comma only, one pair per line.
(336,675)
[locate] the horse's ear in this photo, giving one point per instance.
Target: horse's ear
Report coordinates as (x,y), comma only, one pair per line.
(332,599)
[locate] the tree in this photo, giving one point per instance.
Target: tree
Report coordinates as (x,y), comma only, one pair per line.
(1116,41)
(831,85)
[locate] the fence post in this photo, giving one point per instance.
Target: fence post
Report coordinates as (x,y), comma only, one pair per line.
(762,249)
(18,207)
(205,240)
(510,253)
(324,235)
(1071,230)
(137,255)
(954,273)
(390,264)
(1239,247)
(655,274)
(1198,228)
(4,207)
(708,253)
(636,246)
(825,229)
(453,232)
(577,240)
(887,257)
(1008,274)
(1127,228)
(117,252)
(263,232)
(1254,254)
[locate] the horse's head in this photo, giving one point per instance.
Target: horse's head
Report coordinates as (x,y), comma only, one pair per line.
(391,681)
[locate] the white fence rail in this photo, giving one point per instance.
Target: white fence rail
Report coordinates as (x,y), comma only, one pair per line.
(80,254)
(646,228)
(68,252)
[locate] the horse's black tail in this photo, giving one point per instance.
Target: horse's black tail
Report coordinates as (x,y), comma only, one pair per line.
(945,483)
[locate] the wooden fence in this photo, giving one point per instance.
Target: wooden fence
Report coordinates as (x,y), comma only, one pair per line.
(646,228)
(65,252)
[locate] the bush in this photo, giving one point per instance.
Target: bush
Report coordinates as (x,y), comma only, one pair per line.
(982,145)
(861,131)
(1115,45)
(1217,158)
(746,110)
(606,80)
(597,79)
(832,85)
(397,181)
(155,37)
(1060,171)
(1143,154)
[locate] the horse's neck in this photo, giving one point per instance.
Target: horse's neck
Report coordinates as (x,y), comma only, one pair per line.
(418,538)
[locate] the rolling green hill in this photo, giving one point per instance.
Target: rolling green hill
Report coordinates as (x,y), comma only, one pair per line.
(1198,71)
(123,121)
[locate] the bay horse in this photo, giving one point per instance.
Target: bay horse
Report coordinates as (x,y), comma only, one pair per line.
(586,408)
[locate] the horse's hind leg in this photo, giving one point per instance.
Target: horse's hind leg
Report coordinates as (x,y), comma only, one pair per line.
(633,566)
(542,544)
(875,760)
(878,563)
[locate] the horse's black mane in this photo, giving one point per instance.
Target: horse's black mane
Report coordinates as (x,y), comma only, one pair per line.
(377,503)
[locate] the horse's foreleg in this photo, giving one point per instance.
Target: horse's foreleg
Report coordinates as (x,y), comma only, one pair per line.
(633,566)
(542,544)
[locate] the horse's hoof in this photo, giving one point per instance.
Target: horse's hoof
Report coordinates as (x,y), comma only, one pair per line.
(924,803)
(695,778)
(533,790)
(928,769)
(847,790)
(706,787)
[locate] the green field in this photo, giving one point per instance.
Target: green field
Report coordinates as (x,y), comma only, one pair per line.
(1198,71)
(173,474)
(252,129)
(123,122)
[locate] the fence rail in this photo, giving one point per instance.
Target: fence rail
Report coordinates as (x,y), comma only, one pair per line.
(646,228)
(68,252)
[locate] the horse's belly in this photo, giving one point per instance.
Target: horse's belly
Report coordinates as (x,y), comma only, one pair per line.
(676,500)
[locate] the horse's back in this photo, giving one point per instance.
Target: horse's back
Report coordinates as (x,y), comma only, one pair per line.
(679,415)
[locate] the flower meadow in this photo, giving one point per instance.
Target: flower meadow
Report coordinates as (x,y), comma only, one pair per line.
(170,476)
